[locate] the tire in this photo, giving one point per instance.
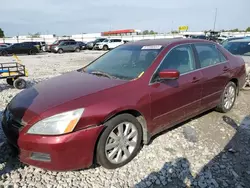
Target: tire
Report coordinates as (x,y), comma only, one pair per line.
(105,47)
(31,52)
(10,81)
(4,53)
(77,50)
(247,83)
(19,83)
(111,126)
(60,51)
(223,106)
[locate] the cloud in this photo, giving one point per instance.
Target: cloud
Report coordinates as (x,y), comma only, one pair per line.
(72,17)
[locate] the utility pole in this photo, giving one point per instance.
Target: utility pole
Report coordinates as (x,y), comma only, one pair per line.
(215,18)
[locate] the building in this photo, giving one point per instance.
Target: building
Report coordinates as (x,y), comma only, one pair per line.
(124,32)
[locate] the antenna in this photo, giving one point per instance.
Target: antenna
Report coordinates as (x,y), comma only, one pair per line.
(215,18)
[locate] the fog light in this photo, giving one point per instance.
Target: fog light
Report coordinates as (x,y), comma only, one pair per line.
(40,156)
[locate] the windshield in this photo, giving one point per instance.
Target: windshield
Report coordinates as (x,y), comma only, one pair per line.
(124,62)
(99,40)
(106,40)
(238,48)
(55,42)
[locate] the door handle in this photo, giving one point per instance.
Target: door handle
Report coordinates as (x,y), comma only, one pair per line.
(195,79)
(225,69)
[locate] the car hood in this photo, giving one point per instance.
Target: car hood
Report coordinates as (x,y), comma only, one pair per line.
(32,102)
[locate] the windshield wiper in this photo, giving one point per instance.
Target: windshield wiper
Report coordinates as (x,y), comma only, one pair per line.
(100,73)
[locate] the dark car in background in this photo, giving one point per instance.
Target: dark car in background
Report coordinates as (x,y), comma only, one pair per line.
(19,48)
(48,47)
(224,42)
(241,48)
(66,46)
(39,45)
(3,46)
(199,37)
(106,110)
(90,45)
(82,45)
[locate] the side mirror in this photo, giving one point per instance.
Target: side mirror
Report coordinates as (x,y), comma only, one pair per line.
(169,74)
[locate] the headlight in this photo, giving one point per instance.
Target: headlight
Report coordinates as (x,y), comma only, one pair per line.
(58,124)
(56,48)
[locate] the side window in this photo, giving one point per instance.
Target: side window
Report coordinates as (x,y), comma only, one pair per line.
(222,57)
(180,58)
(117,40)
(208,54)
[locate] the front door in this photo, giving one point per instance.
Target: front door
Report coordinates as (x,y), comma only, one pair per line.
(216,71)
(66,46)
(173,100)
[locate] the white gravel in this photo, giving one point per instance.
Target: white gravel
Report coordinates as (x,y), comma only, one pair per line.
(209,151)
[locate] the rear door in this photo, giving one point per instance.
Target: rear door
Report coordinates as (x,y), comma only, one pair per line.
(118,42)
(16,48)
(73,45)
(216,71)
(112,43)
(26,47)
(174,100)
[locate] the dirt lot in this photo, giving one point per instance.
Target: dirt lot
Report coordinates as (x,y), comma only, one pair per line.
(211,150)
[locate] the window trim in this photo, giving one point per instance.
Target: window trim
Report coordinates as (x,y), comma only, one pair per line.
(151,81)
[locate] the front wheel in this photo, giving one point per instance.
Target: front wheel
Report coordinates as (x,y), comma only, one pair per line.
(77,50)
(228,98)
(60,51)
(32,52)
(105,48)
(4,53)
(120,141)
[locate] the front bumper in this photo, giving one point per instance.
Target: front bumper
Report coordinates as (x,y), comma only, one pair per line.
(54,50)
(98,47)
(66,152)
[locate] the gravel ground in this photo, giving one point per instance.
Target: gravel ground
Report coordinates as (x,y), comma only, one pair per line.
(211,150)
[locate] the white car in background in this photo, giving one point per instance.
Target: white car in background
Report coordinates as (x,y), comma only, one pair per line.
(109,44)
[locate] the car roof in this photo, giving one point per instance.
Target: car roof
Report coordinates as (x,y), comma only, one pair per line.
(166,42)
(241,40)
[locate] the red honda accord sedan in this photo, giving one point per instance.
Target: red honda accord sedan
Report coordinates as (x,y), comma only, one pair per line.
(103,112)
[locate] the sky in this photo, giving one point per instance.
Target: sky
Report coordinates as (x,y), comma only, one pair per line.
(67,17)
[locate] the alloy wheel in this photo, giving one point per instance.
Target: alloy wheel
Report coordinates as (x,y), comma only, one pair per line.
(229,97)
(121,142)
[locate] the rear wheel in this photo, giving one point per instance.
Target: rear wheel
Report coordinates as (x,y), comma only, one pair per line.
(120,141)
(19,83)
(228,98)
(10,81)
(4,53)
(77,50)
